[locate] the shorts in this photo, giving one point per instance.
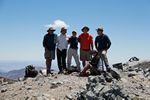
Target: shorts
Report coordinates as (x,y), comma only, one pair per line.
(85,55)
(49,54)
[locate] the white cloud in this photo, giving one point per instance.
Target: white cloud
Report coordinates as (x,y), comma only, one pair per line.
(58,24)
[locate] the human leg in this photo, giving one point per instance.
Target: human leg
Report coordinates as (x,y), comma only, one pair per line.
(59,62)
(64,54)
(69,58)
(76,58)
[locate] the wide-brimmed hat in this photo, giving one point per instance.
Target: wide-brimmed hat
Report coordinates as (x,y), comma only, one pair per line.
(100,29)
(51,29)
(85,27)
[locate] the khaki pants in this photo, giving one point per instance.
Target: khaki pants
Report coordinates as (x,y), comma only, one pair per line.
(49,56)
(85,55)
(103,59)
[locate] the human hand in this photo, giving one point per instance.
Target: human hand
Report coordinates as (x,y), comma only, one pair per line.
(104,51)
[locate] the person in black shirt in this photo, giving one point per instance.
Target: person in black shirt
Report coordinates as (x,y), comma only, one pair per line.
(73,51)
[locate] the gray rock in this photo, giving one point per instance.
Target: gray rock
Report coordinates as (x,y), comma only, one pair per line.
(90,95)
(130,69)
(131,75)
(3,90)
(115,75)
(69,97)
(118,66)
(28,87)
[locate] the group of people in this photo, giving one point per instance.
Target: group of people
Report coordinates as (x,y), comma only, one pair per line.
(59,43)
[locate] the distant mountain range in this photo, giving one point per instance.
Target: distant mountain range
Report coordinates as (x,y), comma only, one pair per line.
(15,74)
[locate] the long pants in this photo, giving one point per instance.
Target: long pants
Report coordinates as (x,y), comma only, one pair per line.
(48,66)
(73,53)
(103,59)
(61,59)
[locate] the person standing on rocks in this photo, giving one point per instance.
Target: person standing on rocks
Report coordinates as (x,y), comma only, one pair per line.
(62,43)
(49,43)
(102,44)
(86,45)
(73,51)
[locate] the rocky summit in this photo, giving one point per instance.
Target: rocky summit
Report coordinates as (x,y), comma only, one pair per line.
(131,83)
(55,87)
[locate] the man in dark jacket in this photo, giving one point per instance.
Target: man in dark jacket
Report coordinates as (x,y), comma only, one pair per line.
(102,44)
(49,43)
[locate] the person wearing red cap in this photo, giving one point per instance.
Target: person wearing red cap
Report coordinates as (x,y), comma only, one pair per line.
(86,45)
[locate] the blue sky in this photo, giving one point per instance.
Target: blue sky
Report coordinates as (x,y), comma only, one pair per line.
(126,22)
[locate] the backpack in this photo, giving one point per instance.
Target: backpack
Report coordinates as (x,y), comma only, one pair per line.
(30,71)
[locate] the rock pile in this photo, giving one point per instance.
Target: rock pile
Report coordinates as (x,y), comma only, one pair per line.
(133,85)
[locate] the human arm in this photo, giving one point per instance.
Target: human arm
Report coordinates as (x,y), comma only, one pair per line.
(79,39)
(91,43)
(108,42)
(96,44)
(44,41)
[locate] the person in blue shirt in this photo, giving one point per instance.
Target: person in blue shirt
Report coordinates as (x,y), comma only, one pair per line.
(49,44)
(102,44)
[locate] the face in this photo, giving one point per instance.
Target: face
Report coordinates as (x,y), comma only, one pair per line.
(63,31)
(85,30)
(50,32)
(99,32)
(74,34)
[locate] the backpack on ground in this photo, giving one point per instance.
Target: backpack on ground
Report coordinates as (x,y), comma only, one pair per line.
(30,71)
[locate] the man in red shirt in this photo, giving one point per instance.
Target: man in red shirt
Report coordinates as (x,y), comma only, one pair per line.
(86,45)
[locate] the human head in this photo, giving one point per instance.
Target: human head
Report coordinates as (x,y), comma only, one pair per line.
(51,30)
(85,29)
(74,33)
(63,30)
(100,30)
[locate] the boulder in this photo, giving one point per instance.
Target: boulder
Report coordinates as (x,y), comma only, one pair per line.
(118,66)
(133,59)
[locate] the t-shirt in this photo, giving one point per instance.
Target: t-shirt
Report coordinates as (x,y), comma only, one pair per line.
(85,40)
(73,42)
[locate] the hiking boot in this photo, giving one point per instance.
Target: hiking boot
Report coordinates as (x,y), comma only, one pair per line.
(60,72)
(78,70)
(49,74)
(65,71)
